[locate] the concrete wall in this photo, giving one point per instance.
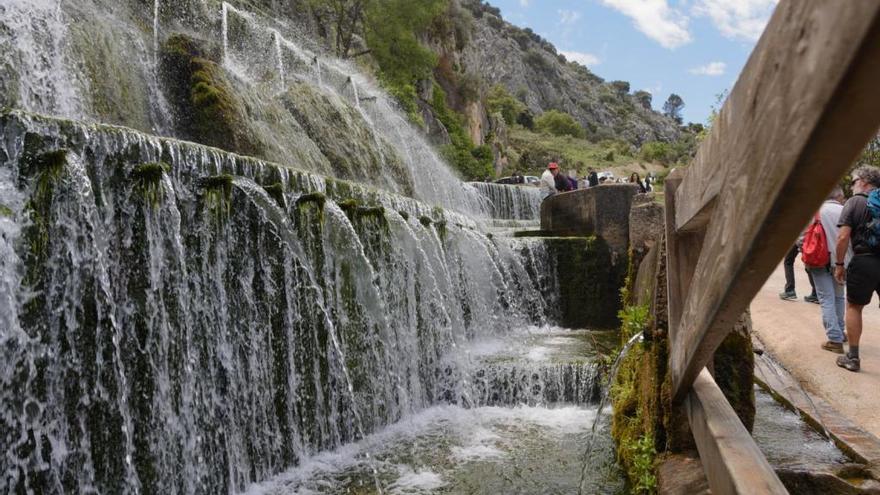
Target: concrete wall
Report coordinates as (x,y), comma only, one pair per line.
(602,211)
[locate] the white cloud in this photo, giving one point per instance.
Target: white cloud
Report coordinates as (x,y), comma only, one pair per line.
(656,19)
(585,59)
(568,16)
(523,3)
(737,19)
(710,69)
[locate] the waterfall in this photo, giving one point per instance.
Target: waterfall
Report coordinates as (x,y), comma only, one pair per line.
(169,328)
(280,58)
(510,202)
(224,29)
(156,32)
(357,99)
(33,37)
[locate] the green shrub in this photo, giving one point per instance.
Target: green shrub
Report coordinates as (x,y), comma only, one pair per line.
(559,124)
(641,471)
(499,100)
(656,151)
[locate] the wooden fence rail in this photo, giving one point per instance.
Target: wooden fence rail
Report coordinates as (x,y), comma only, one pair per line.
(802,110)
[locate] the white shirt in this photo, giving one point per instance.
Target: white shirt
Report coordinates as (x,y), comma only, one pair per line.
(829,215)
(548,182)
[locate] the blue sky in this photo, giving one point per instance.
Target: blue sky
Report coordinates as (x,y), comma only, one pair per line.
(695,48)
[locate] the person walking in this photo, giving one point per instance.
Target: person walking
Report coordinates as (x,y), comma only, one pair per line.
(592,178)
(829,292)
(788,293)
(548,180)
(862,275)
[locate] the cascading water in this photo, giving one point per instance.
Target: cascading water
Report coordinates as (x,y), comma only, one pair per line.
(510,202)
(148,352)
(280,58)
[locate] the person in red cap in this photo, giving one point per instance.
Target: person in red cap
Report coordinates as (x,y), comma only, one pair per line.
(548,180)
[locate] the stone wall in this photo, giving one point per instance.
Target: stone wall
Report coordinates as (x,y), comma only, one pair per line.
(602,211)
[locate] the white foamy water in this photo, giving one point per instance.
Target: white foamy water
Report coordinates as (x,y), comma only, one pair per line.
(449,449)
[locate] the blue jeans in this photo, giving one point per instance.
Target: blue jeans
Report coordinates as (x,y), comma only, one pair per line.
(831,299)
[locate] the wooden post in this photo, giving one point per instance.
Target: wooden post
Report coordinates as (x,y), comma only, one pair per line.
(802,110)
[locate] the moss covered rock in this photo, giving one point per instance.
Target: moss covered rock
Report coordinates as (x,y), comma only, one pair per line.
(589,282)
(206,107)
(355,151)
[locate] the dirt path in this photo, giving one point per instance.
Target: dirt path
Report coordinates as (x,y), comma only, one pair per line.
(792,332)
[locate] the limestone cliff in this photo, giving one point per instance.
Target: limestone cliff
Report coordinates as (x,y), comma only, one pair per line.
(496,52)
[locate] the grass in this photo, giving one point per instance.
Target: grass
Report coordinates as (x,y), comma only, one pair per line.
(531,151)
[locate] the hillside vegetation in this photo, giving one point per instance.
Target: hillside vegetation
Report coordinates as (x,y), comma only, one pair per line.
(496,98)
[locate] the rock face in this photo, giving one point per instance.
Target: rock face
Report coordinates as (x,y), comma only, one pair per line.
(532,70)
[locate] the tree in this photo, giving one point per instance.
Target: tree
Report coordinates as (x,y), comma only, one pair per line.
(644,98)
(871,153)
(499,100)
(673,106)
(621,87)
(392,28)
(346,18)
(559,124)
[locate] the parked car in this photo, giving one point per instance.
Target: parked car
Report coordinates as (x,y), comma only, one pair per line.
(509,180)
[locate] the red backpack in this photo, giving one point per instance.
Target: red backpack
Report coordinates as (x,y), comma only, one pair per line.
(814,251)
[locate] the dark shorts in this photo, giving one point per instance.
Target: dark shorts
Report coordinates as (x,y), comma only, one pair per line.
(862,278)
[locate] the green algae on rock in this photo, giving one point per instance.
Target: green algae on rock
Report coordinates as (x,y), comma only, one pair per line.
(147,178)
(207,109)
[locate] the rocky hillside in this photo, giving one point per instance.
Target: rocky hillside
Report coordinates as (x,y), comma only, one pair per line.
(532,70)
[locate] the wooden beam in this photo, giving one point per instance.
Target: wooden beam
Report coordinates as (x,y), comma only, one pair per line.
(802,110)
(732,462)
(682,254)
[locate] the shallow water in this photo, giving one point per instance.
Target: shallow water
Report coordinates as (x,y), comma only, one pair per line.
(787,441)
(449,449)
(532,409)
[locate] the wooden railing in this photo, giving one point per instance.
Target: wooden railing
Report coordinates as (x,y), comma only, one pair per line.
(805,105)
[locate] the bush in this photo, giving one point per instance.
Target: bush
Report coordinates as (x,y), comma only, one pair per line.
(537,61)
(657,151)
(559,124)
(500,101)
(467,163)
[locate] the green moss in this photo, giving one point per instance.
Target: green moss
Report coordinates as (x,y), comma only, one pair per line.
(46,169)
(734,373)
(371,211)
(315,197)
(349,205)
(218,194)
(403,214)
(6,211)
(588,281)
(206,107)
(276,192)
(147,178)
(426,221)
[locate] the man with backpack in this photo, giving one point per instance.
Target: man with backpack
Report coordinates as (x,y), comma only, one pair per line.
(818,249)
(860,226)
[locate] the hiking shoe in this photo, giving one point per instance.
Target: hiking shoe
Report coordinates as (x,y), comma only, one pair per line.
(835,347)
(811,299)
(848,362)
(788,296)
